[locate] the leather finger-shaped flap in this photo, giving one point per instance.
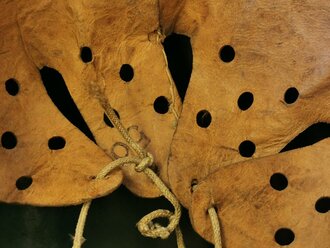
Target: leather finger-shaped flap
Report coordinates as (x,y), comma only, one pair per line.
(260,77)
(45,159)
(77,44)
(269,202)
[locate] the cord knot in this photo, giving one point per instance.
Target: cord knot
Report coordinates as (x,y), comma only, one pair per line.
(145,163)
(148,228)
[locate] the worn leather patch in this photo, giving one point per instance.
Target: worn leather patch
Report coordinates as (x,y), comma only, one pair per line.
(260,77)
(113,46)
(266,202)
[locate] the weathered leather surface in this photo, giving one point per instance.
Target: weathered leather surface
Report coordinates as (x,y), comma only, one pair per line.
(251,210)
(51,33)
(278,45)
(60,177)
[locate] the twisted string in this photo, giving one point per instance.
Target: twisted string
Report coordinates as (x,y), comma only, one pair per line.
(78,238)
(160,39)
(216,227)
(146,225)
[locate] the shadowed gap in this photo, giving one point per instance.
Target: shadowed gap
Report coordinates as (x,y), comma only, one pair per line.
(61,97)
(309,136)
(180,61)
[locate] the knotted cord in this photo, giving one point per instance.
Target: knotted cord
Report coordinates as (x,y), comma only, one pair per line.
(146,225)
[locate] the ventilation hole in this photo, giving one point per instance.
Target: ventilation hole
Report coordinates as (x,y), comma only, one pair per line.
(193,185)
(8,140)
(23,183)
(278,181)
(161,105)
(60,95)
(126,72)
(323,205)
(245,101)
(56,143)
(107,120)
(291,95)
(12,87)
(203,118)
(86,54)
(309,136)
(179,54)
(227,53)
(247,148)
(284,236)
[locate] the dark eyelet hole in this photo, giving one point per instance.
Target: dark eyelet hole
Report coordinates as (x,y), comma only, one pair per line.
(247,148)
(291,95)
(245,101)
(8,140)
(227,53)
(214,206)
(155,169)
(193,185)
(12,87)
(56,143)
(284,236)
(161,105)
(86,54)
(126,72)
(323,205)
(278,181)
(203,118)
(24,182)
(107,120)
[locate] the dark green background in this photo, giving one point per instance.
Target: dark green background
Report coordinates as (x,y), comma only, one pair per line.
(110,223)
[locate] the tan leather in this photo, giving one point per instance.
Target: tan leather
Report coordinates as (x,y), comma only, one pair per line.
(278,45)
(51,33)
(60,177)
(251,210)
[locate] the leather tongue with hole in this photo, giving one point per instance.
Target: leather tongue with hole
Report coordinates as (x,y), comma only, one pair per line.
(269,202)
(260,77)
(45,160)
(74,45)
